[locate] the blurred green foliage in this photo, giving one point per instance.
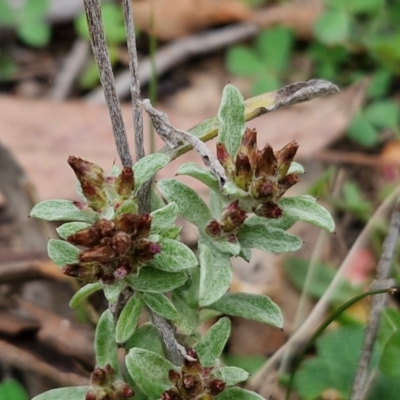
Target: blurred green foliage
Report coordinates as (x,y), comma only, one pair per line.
(12,390)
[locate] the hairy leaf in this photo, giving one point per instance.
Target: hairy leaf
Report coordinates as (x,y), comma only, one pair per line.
(147,167)
(83,293)
(128,318)
(160,304)
(62,252)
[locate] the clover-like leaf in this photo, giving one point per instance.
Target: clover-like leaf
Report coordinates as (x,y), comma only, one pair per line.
(62,210)
(190,204)
(251,306)
(236,393)
(147,167)
(69,228)
(231,119)
(202,174)
(164,218)
(215,274)
(174,256)
(62,252)
(65,393)
(128,318)
(305,208)
(104,342)
(160,304)
(210,347)
(149,370)
(257,233)
(230,375)
(83,293)
(155,280)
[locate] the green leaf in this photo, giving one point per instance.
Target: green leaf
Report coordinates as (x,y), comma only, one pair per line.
(149,370)
(62,210)
(230,375)
(83,293)
(164,218)
(215,275)
(209,349)
(187,321)
(243,62)
(156,281)
(69,228)
(333,27)
(35,9)
(113,290)
(362,131)
(104,343)
(190,205)
(274,46)
(295,168)
(383,114)
(265,83)
(113,21)
(34,33)
(235,393)
(146,337)
(389,362)
(174,256)
(65,393)
(147,167)
(230,189)
(160,304)
(7,15)
(257,233)
(379,84)
(323,275)
(363,6)
(305,208)
(128,318)
(11,389)
(202,174)
(62,252)
(231,119)
(222,245)
(251,306)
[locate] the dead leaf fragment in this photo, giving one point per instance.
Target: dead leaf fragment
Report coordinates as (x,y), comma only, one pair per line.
(170,19)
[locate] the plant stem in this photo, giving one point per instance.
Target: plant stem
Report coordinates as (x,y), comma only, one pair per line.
(101,56)
(377,304)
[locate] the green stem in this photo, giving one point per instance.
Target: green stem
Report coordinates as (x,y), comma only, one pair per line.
(298,359)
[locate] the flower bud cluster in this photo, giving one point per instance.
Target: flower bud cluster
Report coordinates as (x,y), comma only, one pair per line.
(106,387)
(261,173)
(231,221)
(194,382)
(112,248)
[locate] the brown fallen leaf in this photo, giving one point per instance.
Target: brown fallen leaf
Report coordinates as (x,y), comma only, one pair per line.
(169,19)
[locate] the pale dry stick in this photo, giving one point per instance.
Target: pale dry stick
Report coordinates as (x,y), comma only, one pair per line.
(101,56)
(70,70)
(309,325)
(316,255)
(381,281)
(177,52)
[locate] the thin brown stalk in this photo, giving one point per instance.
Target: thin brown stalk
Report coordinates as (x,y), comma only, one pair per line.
(377,304)
(101,56)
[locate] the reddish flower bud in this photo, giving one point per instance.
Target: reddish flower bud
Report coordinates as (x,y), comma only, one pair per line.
(101,253)
(285,157)
(214,228)
(99,377)
(91,395)
(191,366)
(266,162)
(263,189)
(268,210)
(249,142)
(123,390)
(174,376)
(121,243)
(225,159)
(233,217)
(144,225)
(216,386)
(127,223)
(243,171)
(171,394)
(145,250)
(287,182)
(125,182)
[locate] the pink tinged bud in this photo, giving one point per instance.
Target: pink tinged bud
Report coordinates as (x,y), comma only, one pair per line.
(100,253)
(127,223)
(216,386)
(243,171)
(233,217)
(285,157)
(268,210)
(266,164)
(123,390)
(98,378)
(249,142)
(188,382)
(214,229)
(191,366)
(207,371)
(121,272)
(91,395)
(124,183)
(225,159)
(146,250)
(144,225)
(263,189)
(171,394)
(95,196)
(121,243)
(86,171)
